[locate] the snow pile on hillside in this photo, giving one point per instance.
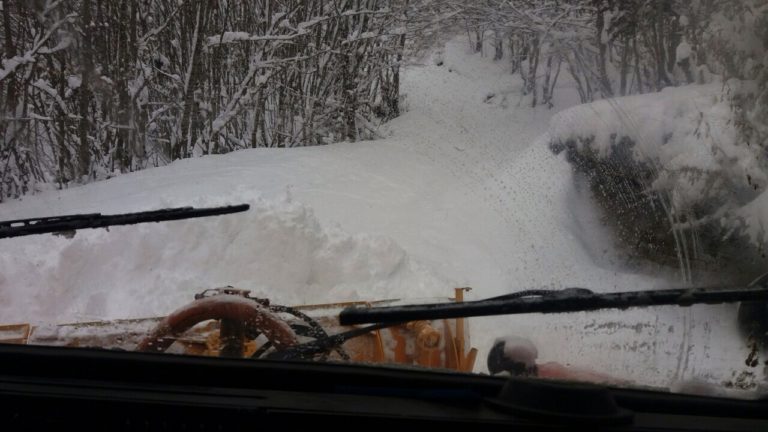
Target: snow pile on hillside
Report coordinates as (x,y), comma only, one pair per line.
(278,249)
(683,144)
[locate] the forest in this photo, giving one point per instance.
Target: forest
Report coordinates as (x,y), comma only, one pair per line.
(93,88)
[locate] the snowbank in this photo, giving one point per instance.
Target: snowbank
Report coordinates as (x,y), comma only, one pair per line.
(278,249)
(677,149)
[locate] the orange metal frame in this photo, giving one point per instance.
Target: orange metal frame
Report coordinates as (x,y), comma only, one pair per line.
(435,344)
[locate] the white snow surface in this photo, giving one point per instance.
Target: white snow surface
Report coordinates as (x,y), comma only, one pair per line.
(688,136)
(277,249)
(74,82)
(462,191)
(683,51)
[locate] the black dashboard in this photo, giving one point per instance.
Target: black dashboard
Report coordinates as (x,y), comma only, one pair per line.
(49,388)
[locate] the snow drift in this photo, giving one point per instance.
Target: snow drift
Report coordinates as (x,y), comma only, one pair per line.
(278,249)
(673,162)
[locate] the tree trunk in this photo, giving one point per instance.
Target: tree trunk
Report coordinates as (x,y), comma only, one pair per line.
(662,79)
(605,82)
(545,98)
(10,52)
(183,146)
(499,46)
(638,75)
(533,69)
(624,67)
(84,150)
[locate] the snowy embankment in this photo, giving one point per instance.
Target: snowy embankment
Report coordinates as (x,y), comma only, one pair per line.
(463,191)
(279,250)
(682,146)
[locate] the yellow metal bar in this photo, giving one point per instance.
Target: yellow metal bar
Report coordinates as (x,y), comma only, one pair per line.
(451,355)
(469,362)
(459,328)
(336,305)
(378,352)
(460,348)
(15,334)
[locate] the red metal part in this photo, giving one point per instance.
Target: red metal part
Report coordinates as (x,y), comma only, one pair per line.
(255,319)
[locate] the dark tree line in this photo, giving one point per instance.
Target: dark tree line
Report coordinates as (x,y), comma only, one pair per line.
(93,87)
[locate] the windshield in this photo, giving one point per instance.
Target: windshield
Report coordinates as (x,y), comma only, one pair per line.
(392,152)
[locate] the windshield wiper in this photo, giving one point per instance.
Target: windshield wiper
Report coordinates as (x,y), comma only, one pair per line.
(567,300)
(70,223)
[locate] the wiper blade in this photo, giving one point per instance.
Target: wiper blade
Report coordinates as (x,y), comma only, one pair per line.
(567,300)
(67,223)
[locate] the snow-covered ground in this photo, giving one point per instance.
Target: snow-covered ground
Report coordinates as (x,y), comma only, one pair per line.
(462,191)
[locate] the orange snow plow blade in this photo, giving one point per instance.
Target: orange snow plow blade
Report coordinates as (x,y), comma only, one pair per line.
(232,324)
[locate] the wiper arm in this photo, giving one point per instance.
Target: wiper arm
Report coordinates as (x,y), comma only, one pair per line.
(567,300)
(24,227)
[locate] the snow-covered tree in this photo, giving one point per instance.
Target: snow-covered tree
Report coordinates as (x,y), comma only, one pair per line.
(93,87)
